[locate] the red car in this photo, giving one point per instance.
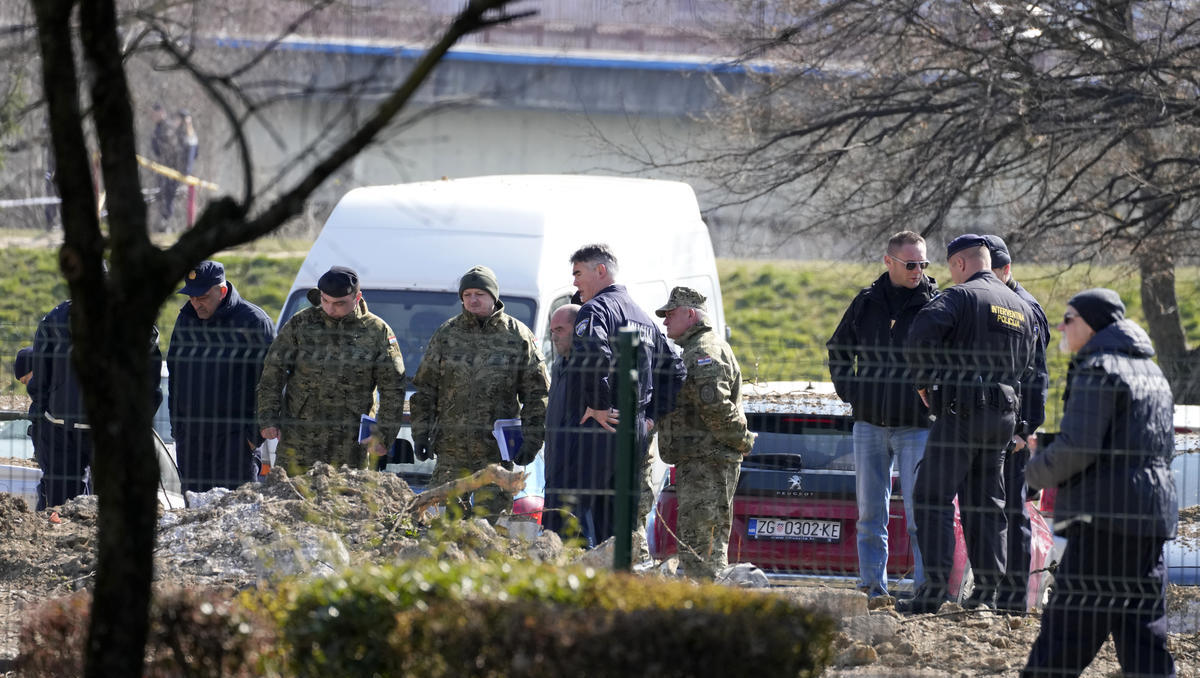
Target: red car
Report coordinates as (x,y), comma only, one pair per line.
(794,512)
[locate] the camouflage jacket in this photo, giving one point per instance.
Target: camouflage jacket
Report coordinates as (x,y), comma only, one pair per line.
(330,369)
(708,417)
(473,373)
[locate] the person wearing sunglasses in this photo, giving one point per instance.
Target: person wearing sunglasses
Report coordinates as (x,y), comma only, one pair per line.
(970,349)
(1116,502)
(891,424)
(1012,594)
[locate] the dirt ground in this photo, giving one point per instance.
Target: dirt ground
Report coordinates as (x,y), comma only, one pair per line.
(332,519)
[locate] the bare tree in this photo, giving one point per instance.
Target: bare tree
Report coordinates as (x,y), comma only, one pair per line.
(1071,128)
(84,51)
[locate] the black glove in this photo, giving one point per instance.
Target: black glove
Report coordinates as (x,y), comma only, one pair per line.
(525,455)
(421,449)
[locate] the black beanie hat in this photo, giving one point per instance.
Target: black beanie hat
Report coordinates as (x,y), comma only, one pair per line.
(23,364)
(338,281)
(1099,307)
(480,278)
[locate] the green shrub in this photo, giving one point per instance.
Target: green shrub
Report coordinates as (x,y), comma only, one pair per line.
(513,618)
(193,632)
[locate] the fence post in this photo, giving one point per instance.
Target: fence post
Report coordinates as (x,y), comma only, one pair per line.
(626,499)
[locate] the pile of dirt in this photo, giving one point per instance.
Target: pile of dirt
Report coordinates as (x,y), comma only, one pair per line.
(329,519)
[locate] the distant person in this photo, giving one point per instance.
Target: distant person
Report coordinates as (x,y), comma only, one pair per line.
(187,142)
(321,374)
(1116,502)
(705,436)
(164,143)
(480,366)
(1012,593)
(214,361)
(62,435)
(560,438)
(891,424)
(969,348)
(593,382)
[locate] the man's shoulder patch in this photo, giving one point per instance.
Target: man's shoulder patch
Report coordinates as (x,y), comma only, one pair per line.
(581,327)
(706,360)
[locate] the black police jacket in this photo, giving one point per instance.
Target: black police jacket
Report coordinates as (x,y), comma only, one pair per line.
(1037,385)
(968,341)
(54,388)
(866,358)
(1112,460)
(584,456)
(592,365)
(214,367)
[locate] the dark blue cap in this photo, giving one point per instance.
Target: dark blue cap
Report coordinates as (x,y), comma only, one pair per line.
(23,365)
(962,242)
(1000,255)
(203,278)
(339,281)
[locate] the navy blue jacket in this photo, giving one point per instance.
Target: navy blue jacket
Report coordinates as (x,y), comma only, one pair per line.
(1112,460)
(866,358)
(1037,384)
(54,388)
(587,459)
(969,340)
(214,367)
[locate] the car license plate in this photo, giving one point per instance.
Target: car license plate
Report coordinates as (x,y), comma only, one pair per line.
(795,528)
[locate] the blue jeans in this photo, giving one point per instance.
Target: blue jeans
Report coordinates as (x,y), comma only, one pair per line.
(876,449)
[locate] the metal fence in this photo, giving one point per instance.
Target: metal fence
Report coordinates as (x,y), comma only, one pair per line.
(798,511)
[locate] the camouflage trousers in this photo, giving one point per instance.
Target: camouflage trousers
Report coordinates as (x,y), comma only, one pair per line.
(490,500)
(302,445)
(705,488)
(646,497)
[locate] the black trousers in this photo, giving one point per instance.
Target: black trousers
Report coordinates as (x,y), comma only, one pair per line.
(209,459)
(62,451)
(1106,583)
(1011,593)
(965,457)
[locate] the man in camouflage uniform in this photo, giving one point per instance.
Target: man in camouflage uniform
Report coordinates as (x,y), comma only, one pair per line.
(705,437)
(480,366)
(321,374)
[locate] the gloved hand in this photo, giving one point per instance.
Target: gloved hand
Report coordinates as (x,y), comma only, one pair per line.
(421,449)
(525,455)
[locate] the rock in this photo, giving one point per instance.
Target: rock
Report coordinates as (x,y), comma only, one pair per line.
(525,530)
(743,575)
(600,557)
(881,602)
(872,629)
(857,654)
(669,567)
(198,500)
(547,548)
(837,602)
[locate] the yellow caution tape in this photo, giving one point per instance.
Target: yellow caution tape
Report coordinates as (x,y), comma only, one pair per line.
(172,173)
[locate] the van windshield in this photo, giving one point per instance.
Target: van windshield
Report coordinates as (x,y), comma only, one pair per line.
(414,314)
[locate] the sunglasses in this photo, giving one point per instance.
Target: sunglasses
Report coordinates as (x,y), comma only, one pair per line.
(910,265)
(1067,318)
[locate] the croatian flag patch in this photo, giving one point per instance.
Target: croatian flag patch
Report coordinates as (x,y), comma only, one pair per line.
(706,360)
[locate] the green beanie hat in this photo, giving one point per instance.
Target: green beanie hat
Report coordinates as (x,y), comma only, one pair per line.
(480,278)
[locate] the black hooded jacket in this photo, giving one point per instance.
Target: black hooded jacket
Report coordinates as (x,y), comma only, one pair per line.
(1112,460)
(866,356)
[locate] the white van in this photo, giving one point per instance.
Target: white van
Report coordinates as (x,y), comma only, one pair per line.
(410,243)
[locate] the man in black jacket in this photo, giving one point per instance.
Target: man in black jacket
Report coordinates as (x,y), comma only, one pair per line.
(1011,594)
(970,350)
(1116,502)
(592,383)
(215,359)
(62,436)
(891,424)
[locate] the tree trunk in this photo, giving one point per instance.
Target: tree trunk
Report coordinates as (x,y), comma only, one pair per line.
(1161,308)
